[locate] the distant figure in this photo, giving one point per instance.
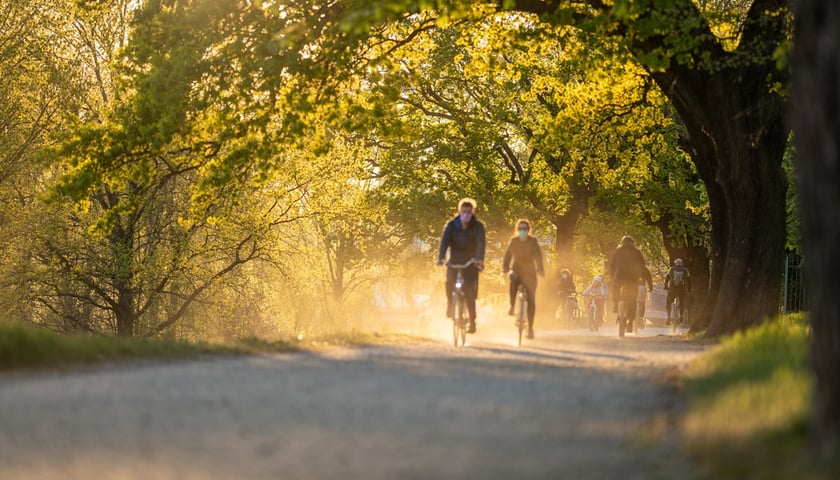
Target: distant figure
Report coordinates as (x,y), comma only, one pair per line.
(465,238)
(597,292)
(523,262)
(678,283)
(567,291)
(626,267)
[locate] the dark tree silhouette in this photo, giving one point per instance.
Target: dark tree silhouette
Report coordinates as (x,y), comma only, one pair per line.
(816,120)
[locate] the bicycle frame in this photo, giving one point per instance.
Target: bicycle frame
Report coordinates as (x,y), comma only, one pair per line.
(459,319)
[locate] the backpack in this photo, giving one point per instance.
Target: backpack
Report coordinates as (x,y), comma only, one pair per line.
(677,277)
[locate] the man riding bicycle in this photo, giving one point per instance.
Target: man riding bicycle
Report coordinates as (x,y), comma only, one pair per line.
(678,283)
(626,267)
(464,236)
(523,262)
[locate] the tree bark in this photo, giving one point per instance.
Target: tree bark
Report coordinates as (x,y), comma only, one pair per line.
(816,119)
(738,134)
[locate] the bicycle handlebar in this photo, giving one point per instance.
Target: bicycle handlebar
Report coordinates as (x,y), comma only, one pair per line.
(455,266)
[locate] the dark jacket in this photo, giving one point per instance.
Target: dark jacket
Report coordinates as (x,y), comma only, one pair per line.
(462,244)
(526,256)
(627,265)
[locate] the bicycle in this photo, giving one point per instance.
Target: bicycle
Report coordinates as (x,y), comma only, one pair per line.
(676,306)
(675,313)
(460,319)
(622,318)
(571,311)
(521,310)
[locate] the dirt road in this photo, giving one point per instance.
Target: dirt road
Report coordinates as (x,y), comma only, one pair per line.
(563,407)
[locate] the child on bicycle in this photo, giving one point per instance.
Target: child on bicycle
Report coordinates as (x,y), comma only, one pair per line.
(597,292)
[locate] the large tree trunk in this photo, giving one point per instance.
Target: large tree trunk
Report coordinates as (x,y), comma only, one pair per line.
(737,134)
(816,62)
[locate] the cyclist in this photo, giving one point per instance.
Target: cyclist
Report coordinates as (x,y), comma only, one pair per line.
(464,236)
(626,267)
(678,283)
(523,262)
(566,291)
(597,291)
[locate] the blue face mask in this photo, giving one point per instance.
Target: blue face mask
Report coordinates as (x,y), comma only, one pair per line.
(523,234)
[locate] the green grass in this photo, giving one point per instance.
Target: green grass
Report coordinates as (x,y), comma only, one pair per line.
(749,405)
(26,346)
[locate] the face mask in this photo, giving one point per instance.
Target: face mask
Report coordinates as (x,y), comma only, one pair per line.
(523,234)
(465,217)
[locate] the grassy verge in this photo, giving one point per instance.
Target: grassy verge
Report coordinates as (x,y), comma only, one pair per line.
(26,346)
(749,405)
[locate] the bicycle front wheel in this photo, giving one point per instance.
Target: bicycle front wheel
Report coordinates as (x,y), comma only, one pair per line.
(462,321)
(521,314)
(675,312)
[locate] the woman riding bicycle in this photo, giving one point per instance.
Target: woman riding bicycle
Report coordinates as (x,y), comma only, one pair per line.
(597,292)
(523,262)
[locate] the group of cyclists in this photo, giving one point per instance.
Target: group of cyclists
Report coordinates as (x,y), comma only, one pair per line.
(629,278)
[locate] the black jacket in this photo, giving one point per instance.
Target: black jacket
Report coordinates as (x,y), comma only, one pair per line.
(628,266)
(462,244)
(526,257)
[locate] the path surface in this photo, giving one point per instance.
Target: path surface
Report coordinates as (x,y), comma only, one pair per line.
(566,406)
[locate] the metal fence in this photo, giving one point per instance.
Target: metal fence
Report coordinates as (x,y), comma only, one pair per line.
(793,284)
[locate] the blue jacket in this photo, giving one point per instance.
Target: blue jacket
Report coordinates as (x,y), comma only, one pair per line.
(462,244)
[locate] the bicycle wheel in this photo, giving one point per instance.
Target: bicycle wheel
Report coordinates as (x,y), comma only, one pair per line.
(456,318)
(675,311)
(463,319)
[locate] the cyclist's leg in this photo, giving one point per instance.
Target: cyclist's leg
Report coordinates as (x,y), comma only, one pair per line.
(514,285)
(599,308)
(628,295)
(531,288)
(669,300)
(451,273)
(681,295)
(471,292)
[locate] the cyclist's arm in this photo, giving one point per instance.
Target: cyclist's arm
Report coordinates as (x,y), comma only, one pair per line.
(508,255)
(538,257)
(444,242)
(480,243)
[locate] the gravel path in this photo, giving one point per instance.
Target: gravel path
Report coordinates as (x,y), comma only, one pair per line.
(567,406)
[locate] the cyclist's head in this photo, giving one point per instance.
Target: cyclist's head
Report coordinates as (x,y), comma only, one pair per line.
(565,273)
(523,224)
(678,262)
(467,203)
(466,209)
(627,240)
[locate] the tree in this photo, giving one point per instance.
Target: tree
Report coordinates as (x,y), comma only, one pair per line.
(817,137)
(730,97)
